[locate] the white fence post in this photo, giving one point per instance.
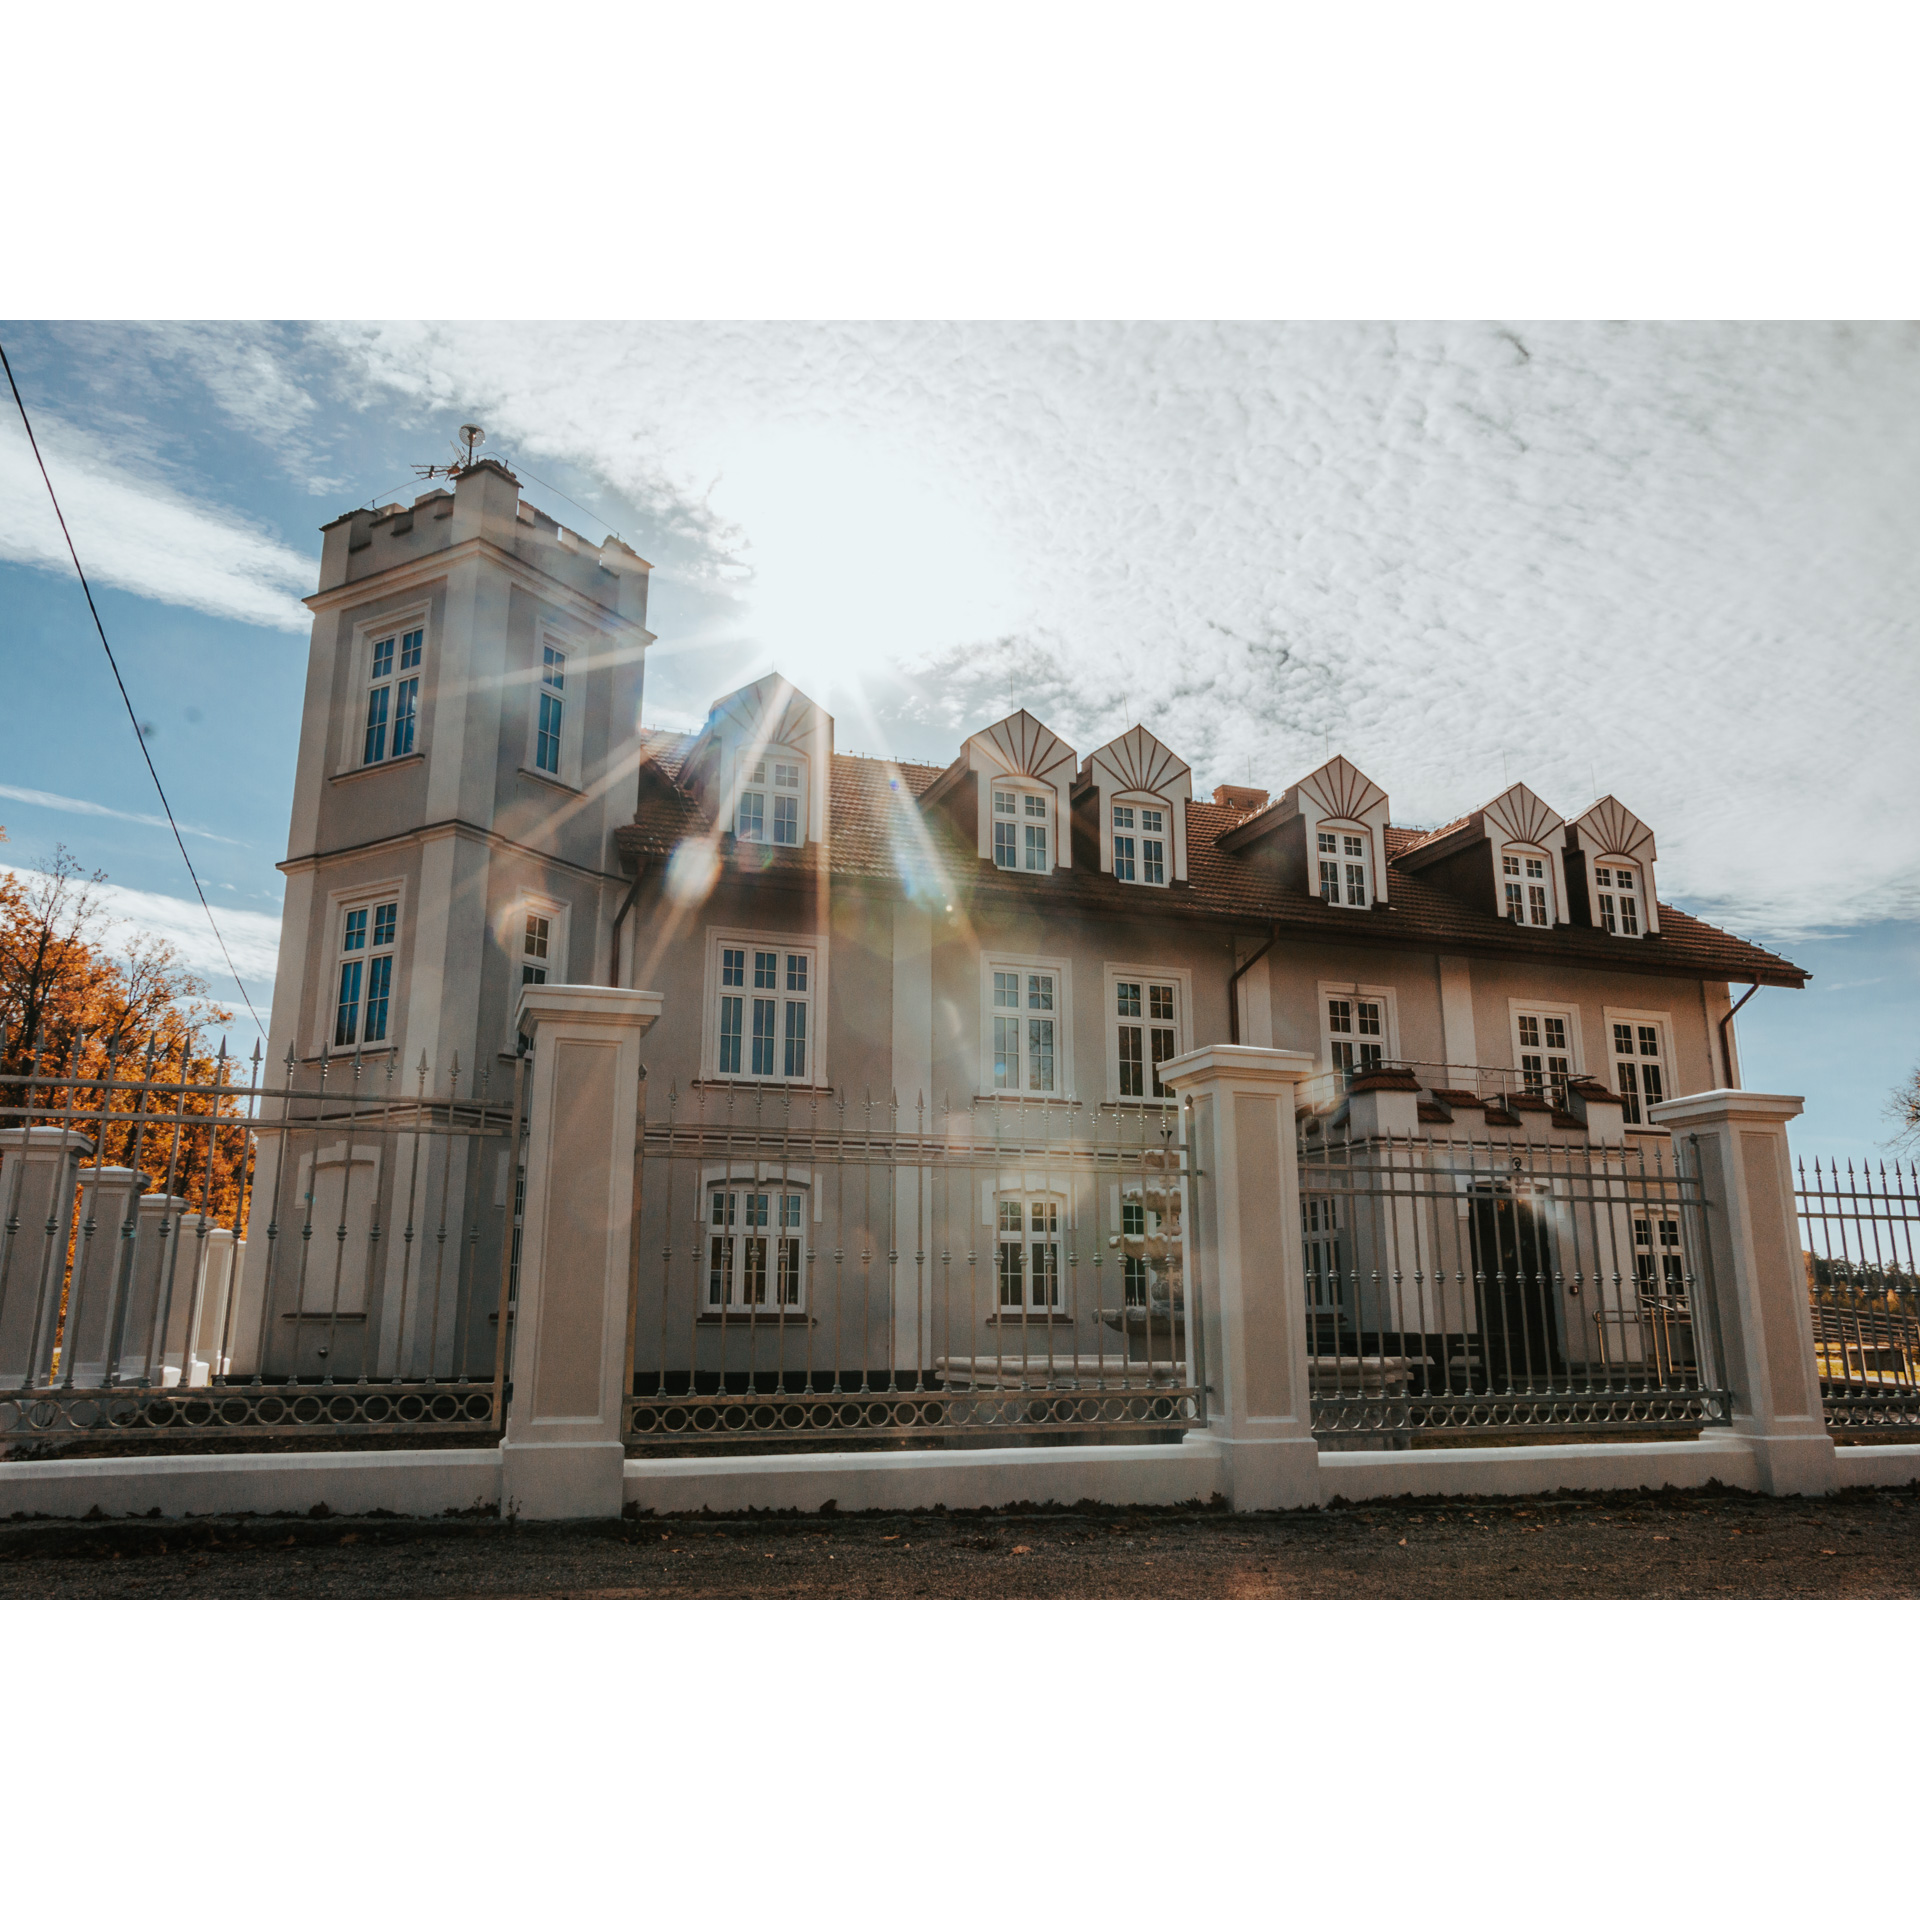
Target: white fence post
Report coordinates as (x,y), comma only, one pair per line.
(106,1233)
(563,1455)
(1759,1280)
(1245,1256)
(37,1170)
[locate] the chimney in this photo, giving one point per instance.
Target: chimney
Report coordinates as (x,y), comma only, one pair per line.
(1241,799)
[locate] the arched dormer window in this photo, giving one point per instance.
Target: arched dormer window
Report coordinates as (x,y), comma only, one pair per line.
(1346,877)
(773,800)
(1140,842)
(1526,886)
(1022,826)
(1616,894)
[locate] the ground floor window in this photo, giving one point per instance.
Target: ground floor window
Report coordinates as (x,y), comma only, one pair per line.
(1029,1254)
(756,1249)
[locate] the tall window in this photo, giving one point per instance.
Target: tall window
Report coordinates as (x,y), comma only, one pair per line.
(765,1024)
(534,944)
(772,791)
(1546,1059)
(553,688)
(1617,890)
(393,699)
(1140,845)
(1147,1035)
(1659,1264)
(367,939)
(1135,1273)
(755,1249)
(1025,1030)
(1343,868)
(1029,1255)
(1528,892)
(1637,1067)
(1320,1233)
(1022,830)
(1356,1032)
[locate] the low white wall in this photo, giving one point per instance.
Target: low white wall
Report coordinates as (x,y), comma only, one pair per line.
(1593,1466)
(1877,1466)
(454,1480)
(1153,1476)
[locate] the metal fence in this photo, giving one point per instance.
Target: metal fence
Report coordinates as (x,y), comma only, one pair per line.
(1859,1226)
(186,1253)
(1486,1285)
(813,1265)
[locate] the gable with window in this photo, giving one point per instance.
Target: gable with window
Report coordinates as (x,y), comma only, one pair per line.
(761,1022)
(1610,856)
(1640,1049)
(1012,783)
(393,696)
(363,980)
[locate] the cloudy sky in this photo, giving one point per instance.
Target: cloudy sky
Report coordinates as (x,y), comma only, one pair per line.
(1671,562)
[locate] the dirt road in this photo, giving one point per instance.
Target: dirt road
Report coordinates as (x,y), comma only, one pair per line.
(1857,1545)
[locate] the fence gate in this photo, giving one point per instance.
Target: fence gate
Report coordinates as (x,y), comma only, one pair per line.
(1482,1285)
(987,1269)
(1860,1228)
(182,1253)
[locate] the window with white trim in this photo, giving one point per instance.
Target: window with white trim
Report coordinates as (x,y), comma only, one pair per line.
(393,696)
(1356,1031)
(1026,1030)
(772,803)
(1527,888)
(553,708)
(1320,1238)
(763,1026)
(1136,1277)
(364,984)
(1028,1249)
(756,1248)
(1616,893)
(1022,830)
(1146,1016)
(1344,867)
(1639,1065)
(1544,1053)
(1658,1261)
(1140,844)
(535,941)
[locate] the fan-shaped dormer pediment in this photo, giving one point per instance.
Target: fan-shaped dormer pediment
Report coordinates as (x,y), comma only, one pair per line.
(772,740)
(1134,772)
(1023,746)
(1342,792)
(1012,765)
(1605,839)
(1520,816)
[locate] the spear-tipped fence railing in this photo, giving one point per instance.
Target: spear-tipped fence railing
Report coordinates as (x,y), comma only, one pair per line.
(187,1247)
(821,1267)
(1860,1226)
(1481,1285)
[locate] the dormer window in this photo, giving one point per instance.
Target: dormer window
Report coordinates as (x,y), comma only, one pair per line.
(771,802)
(1343,868)
(1526,888)
(1617,890)
(1140,845)
(1022,840)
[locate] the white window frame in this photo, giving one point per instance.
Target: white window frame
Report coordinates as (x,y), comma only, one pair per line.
(573,652)
(348,900)
(754,1188)
(759,775)
(1346,835)
(513,936)
(1180,979)
(1026,1191)
(1576,1046)
(1613,896)
(1132,868)
(781,945)
(367,634)
(1669,1075)
(1024,792)
(1024,963)
(1357,990)
(1527,882)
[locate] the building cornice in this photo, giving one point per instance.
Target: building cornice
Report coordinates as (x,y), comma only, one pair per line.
(441,830)
(429,567)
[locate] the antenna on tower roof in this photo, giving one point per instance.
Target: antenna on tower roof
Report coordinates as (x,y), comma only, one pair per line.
(470,438)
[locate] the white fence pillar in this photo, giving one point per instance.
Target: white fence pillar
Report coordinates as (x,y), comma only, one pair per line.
(1245,1257)
(156,1246)
(37,1166)
(563,1455)
(1759,1279)
(99,1266)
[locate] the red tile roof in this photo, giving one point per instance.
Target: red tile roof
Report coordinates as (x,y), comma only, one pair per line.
(880,833)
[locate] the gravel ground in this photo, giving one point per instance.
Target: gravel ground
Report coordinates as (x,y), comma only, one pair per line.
(1857,1545)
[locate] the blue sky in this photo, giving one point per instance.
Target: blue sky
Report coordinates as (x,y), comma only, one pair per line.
(1672,562)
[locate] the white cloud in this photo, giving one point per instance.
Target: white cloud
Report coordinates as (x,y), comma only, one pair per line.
(65,803)
(135,532)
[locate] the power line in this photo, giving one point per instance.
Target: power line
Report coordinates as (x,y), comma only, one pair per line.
(166,806)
